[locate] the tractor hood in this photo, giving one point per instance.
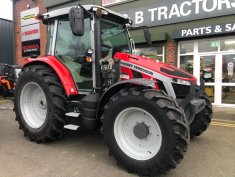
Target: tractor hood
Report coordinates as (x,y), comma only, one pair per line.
(152,67)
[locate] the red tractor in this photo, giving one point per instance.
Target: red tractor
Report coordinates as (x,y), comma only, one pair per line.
(146,110)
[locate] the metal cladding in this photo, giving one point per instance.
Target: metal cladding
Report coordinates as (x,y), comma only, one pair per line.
(6,41)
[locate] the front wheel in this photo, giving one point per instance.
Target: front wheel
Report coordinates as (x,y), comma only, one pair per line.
(145,131)
(202,119)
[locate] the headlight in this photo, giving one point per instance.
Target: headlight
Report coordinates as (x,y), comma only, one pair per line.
(179,81)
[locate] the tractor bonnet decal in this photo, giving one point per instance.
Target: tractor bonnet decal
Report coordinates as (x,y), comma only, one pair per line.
(137,68)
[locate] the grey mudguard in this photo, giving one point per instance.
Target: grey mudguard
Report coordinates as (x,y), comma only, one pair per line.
(165,80)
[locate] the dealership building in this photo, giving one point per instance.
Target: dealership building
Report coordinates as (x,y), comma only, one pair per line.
(197,36)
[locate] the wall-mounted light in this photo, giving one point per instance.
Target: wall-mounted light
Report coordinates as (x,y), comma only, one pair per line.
(28,6)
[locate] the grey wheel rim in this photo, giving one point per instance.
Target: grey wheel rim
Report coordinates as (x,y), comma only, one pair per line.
(137,146)
(33,105)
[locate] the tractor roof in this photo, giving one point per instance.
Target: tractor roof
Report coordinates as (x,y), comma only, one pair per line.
(90,8)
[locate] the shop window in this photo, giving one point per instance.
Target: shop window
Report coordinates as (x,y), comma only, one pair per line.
(207,68)
(186,56)
(210,91)
(186,63)
(156,52)
(208,46)
(228,68)
(227,44)
(186,47)
(228,94)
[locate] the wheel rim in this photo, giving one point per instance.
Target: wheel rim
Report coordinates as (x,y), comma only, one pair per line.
(33,105)
(139,146)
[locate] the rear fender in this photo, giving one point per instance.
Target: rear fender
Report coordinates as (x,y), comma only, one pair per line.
(61,70)
(117,87)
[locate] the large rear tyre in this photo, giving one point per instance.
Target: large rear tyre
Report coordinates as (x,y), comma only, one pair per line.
(145,131)
(40,104)
(202,119)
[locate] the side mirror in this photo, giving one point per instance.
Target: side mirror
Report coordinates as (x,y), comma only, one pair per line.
(76,19)
(147,37)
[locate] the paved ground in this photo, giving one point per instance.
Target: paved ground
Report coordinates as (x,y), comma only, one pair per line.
(83,154)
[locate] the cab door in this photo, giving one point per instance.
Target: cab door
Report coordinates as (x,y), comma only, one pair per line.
(72,51)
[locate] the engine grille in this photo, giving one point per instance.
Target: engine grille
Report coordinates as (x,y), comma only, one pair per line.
(181,91)
(175,72)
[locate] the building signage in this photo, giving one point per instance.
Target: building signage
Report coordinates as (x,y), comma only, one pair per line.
(30,32)
(167,12)
(31,48)
(204,31)
(28,16)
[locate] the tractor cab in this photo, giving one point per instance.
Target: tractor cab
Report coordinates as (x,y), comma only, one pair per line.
(102,34)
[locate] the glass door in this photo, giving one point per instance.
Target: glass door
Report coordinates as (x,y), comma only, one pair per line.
(207,65)
(227,79)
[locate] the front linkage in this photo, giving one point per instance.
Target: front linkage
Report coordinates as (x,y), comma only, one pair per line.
(197,108)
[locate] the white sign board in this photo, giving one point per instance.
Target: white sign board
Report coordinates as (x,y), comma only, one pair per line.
(30,32)
(28,16)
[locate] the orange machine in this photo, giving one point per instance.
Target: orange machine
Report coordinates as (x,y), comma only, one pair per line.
(8,77)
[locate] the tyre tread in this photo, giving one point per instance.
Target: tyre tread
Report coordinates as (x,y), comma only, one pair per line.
(180,129)
(58,120)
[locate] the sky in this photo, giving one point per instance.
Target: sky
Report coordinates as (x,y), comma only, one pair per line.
(6,9)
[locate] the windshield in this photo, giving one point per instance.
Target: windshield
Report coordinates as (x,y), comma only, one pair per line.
(114,38)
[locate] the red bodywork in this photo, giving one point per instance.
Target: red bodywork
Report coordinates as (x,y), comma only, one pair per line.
(146,63)
(152,65)
(60,69)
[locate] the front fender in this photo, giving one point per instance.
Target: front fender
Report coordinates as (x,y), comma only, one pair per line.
(61,70)
(117,87)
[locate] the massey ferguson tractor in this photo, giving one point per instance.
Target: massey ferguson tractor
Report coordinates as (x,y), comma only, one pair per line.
(146,110)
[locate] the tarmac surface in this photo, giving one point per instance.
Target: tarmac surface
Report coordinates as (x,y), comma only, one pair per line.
(83,154)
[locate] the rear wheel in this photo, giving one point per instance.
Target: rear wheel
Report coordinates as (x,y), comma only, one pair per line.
(202,119)
(145,131)
(40,104)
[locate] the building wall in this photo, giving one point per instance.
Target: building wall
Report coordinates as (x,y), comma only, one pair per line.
(6,41)
(19,6)
(171,46)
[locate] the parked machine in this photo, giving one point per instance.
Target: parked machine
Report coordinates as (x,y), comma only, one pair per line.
(8,77)
(146,110)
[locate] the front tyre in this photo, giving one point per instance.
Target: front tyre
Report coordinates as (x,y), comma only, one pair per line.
(40,104)
(202,119)
(145,131)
